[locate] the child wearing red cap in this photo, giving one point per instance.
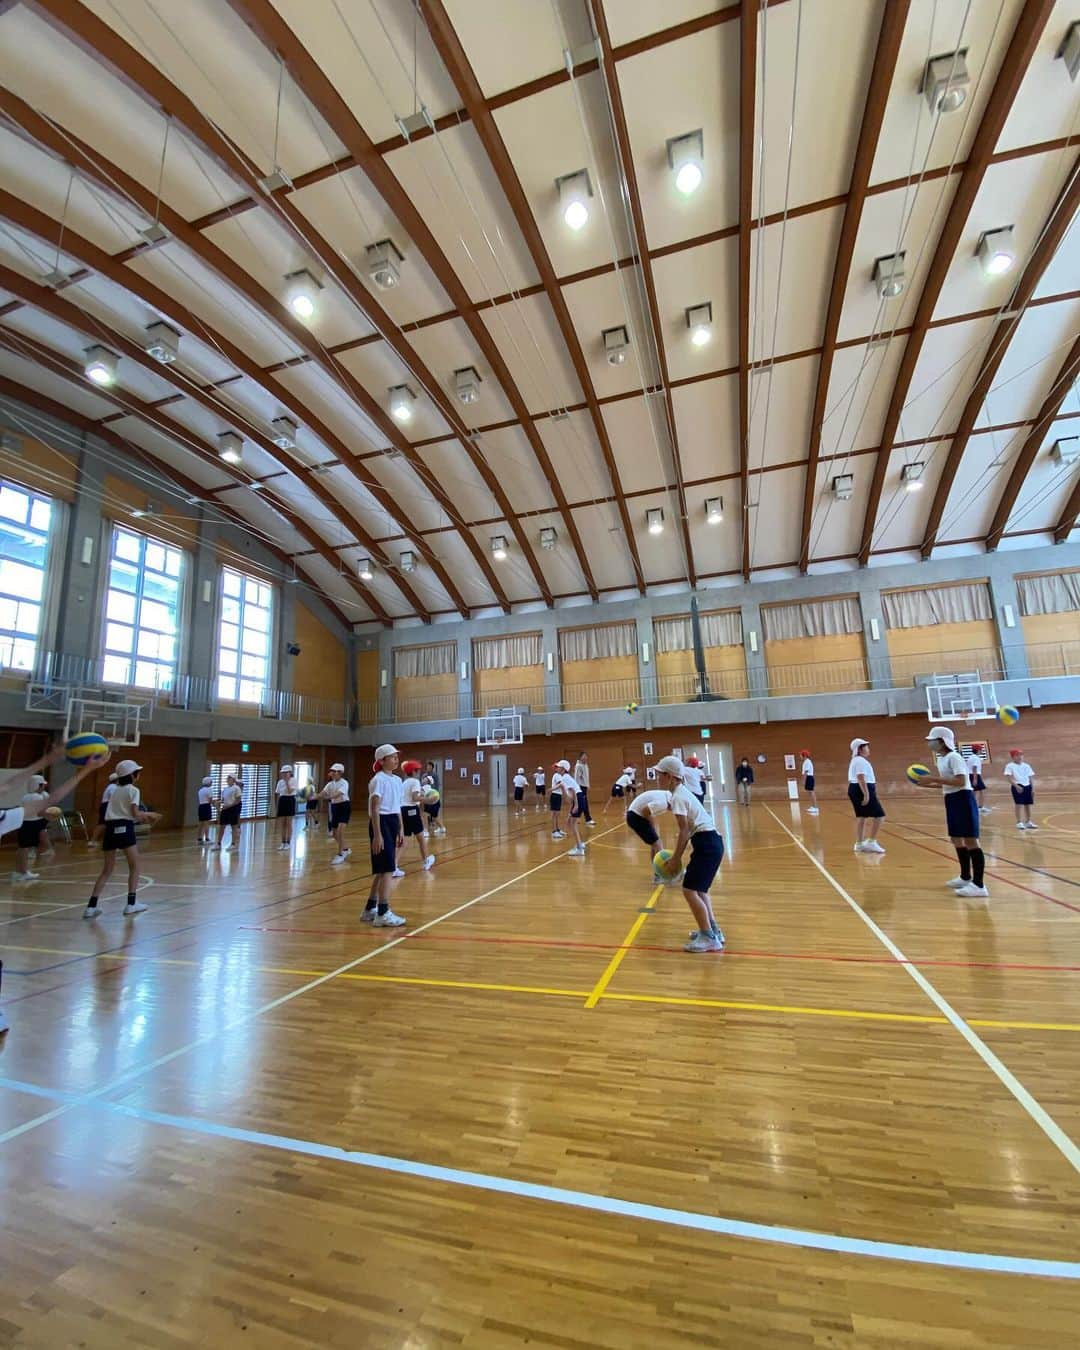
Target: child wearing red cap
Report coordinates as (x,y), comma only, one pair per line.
(412,796)
(808,782)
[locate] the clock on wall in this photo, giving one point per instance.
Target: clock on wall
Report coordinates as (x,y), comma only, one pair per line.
(761,759)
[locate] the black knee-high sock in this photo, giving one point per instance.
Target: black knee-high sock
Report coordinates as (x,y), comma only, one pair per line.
(131,897)
(978,863)
(964,855)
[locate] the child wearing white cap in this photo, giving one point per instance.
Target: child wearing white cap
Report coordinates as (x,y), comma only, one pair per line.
(285,793)
(563,790)
(620,788)
(205,809)
(387,835)
(696,828)
(229,807)
(641,813)
(123,812)
(520,784)
(33,830)
(1021,778)
(961,812)
(336,792)
(862,793)
(540,784)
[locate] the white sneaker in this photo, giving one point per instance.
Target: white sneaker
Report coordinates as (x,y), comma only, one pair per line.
(346,853)
(90,844)
(812,811)
(1030,825)
(91,912)
(872,846)
(558,834)
(859,848)
(337,859)
(137,908)
(1020,825)
(423,834)
(441,830)
(590,823)
(984,809)
(578,851)
(429,862)
(389,920)
(397,872)
(282,848)
(957,883)
(25,876)
(970,891)
(704,942)
(367,916)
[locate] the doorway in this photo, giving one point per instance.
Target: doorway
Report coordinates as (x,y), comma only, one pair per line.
(719,765)
(496,780)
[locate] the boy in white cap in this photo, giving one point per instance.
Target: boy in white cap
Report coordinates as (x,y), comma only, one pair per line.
(386,833)
(973,760)
(620,788)
(1021,778)
(229,807)
(520,784)
(285,792)
(555,798)
(99,829)
(205,809)
(961,812)
(540,784)
(579,805)
(862,793)
(124,810)
(33,830)
(336,793)
(696,828)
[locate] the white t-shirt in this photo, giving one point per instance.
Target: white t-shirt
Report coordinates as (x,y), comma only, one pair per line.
(388,788)
(539,779)
(410,792)
(337,790)
(124,803)
(33,804)
(861,765)
(286,787)
(951,766)
(973,763)
(206,795)
(520,781)
(624,781)
(581,774)
(1021,774)
(109,790)
(231,796)
(684,803)
(564,785)
(654,800)
(692,777)
(808,767)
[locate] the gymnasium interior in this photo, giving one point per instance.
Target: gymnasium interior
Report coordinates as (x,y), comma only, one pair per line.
(514,384)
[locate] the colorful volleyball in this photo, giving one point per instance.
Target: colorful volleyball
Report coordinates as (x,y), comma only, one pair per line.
(1007,715)
(84,747)
(662,869)
(917,771)
(631,708)
(431,795)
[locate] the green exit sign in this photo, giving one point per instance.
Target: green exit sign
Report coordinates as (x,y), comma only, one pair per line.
(705,733)
(244,747)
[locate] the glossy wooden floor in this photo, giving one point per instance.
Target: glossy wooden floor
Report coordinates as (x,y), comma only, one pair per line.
(173,1090)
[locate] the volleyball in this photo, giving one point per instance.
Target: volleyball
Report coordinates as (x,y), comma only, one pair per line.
(917,771)
(431,795)
(662,870)
(631,708)
(1008,716)
(53,813)
(85,747)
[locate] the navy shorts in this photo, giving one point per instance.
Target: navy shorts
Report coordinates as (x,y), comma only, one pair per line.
(410,821)
(617,791)
(580,805)
(962,814)
(341,814)
(431,809)
(102,808)
(873,810)
(1024,796)
(643,828)
(230,815)
(706,852)
(808,783)
(519,794)
(540,789)
(206,811)
(555,801)
(386,861)
(286,806)
(119,834)
(977,784)
(30,832)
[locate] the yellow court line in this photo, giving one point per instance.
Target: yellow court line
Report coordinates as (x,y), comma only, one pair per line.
(616,961)
(776,1007)
(469,984)
(1023,1026)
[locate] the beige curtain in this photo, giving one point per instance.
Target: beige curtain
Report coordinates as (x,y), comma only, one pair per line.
(1057,594)
(437,659)
(811,618)
(597,644)
(937,604)
(503,653)
(675,634)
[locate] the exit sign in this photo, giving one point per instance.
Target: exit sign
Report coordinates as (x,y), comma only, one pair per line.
(705,733)
(244,747)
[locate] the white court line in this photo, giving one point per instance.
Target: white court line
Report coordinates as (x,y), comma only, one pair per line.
(1038,1113)
(40,914)
(162,1060)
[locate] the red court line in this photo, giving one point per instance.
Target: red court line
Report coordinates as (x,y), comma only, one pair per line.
(646,947)
(996,875)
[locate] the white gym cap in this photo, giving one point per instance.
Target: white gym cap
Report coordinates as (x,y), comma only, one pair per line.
(671,764)
(207,781)
(286,768)
(943,734)
(36,780)
(521,770)
(337,768)
(127,766)
(563,764)
(383,750)
(859,740)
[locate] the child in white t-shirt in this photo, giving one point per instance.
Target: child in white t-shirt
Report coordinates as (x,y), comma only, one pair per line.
(386,834)
(540,786)
(620,789)
(520,784)
(961,812)
(204,808)
(285,793)
(1021,778)
(412,797)
(809,782)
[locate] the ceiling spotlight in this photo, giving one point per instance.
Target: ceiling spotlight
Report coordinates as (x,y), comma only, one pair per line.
(549,536)
(402,399)
(911,475)
(162,343)
(1069,51)
(467,384)
(284,429)
(231,447)
(996,251)
(686,156)
(616,345)
(100,365)
(699,321)
(574,192)
(364,569)
(1066,451)
(384,261)
(714,510)
(945,81)
(843,487)
(889,276)
(407,560)
(498,547)
(654,519)
(302,293)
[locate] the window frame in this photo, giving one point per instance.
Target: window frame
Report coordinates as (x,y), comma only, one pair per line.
(46,605)
(133,658)
(237,676)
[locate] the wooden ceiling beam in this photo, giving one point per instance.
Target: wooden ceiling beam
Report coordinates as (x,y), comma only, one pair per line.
(1053,232)
(107,47)
(890,35)
(1030,23)
(453,57)
(59,364)
(1059,392)
(747,101)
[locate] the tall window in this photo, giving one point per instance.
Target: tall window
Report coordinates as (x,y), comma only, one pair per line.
(25,518)
(142,611)
(244,637)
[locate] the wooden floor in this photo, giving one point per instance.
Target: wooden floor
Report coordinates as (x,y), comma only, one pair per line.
(529,1117)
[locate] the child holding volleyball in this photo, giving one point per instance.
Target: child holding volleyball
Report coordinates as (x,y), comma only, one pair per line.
(698,830)
(961,811)
(123,813)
